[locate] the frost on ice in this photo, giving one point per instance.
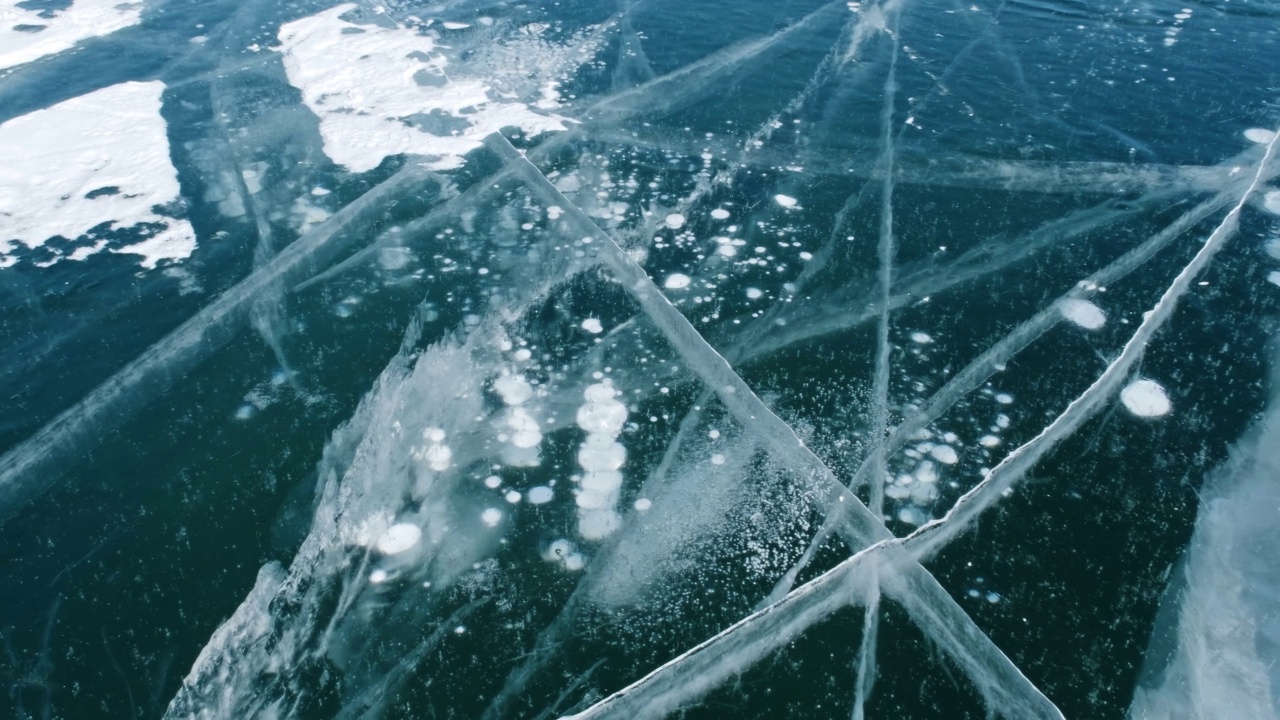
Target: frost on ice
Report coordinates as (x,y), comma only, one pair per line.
(86,169)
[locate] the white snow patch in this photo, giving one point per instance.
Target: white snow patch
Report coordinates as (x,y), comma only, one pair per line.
(84,19)
(101,158)
(1145,398)
(1083,313)
(370,87)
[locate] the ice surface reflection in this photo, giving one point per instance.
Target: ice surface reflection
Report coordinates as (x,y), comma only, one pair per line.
(885,359)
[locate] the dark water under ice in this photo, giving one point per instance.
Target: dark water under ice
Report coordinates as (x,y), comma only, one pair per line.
(421,450)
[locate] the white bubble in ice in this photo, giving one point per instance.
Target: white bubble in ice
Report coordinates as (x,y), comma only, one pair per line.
(398,538)
(921,338)
(513,389)
(554,212)
(438,457)
(604,482)
(1273,277)
(493,482)
(926,473)
(377,577)
(944,454)
(433,434)
(677,281)
(593,326)
(525,432)
(717,459)
(1083,313)
(1004,398)
(540,495)
(754,293)
(523,354)
(1145,398)
(573,562)
(598,524)
(600,452)
(512,497)
(720,214)
(1273,248)
(643,504)
(785,201)
(491,517)
(558,550)
(1262,136)
(1271,201)
(989,441)
(912,515)
(675,221)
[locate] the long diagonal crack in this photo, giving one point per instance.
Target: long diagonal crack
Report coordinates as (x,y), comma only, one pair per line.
(861,528)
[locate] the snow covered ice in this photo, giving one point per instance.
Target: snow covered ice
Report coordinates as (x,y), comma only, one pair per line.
(892,359)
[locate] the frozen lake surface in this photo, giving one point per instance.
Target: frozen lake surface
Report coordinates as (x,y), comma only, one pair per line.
(494,359)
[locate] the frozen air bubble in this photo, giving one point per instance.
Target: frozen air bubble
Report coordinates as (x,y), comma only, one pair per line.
(927,472)
(512,497)
(1083,313)
(675,221)
(643,504)
(1271,201)
(491,517)
(513,389)
(945,454)
(600,452)
(1272,248)
(377,577)
(989,441)
(754,293)
(1004,398)
(1145,398)
(603,482)
(912,516)
(493,482)
(554,212)
(525,432)
(717,459)
(785,201)
(540,495)
(593,326)
(1262,136)
(677,281)
(398,538)
(720,214)
(438,457)
(1273,277)
(597,524)
(921,338)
